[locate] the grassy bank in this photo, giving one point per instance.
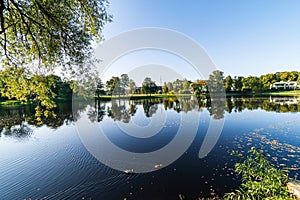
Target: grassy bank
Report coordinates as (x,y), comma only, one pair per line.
(286,93)
(263,94)
(62,99)
(13,103)
(144,96)
(10,102)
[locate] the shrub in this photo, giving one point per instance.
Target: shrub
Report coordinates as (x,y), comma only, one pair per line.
(260,180)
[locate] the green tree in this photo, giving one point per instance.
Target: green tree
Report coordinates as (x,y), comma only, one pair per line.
(288,76)
(99,88)
(60,88)
(38,36)
(165,88)
(13,83)
(252,83)
(238,84)
(215,82)
(228,83)
(113,85)
(177,85)
(284,76)
(85,85)
(267,80)
(148,86)
(22,85)
(185,86)
(124,81)
(131,86)
(170,86)
(50,33)
(293,76)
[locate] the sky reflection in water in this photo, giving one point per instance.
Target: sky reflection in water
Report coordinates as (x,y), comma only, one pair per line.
(50,160)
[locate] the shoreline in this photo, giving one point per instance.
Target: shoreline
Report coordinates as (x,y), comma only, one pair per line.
(294,93)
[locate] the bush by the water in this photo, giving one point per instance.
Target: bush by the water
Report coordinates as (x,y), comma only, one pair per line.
(260,180)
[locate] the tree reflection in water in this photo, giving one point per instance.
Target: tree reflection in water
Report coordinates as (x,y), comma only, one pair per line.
(97,113)
(19,131)
(120,110)
(150,106)
(19,121)
(217,108)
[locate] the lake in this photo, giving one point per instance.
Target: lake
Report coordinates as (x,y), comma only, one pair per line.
(143,149)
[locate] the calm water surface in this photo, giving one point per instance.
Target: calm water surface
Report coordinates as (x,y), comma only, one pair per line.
(50,161)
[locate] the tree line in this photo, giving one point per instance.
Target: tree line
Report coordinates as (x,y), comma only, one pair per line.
(216,82)
(124,85)
(259,83)
(238,84)
(21,85)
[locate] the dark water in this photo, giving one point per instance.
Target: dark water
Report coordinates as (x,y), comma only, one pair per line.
(50,161)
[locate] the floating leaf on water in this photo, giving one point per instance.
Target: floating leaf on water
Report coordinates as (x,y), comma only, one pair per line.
(274,142)
(128,171)
(275,159)
(158,166)
(293,168)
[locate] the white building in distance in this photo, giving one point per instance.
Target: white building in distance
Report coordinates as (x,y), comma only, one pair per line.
(284,85)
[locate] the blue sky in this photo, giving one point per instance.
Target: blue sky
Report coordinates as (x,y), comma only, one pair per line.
(241,37)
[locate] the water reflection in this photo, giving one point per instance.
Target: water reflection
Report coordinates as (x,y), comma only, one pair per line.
(121,110)
(150,106)
(17,120)
(97,113)
(277,104)
(62,167)
(217,108)
(19,131)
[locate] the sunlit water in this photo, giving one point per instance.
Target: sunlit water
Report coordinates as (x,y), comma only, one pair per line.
(51,162)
